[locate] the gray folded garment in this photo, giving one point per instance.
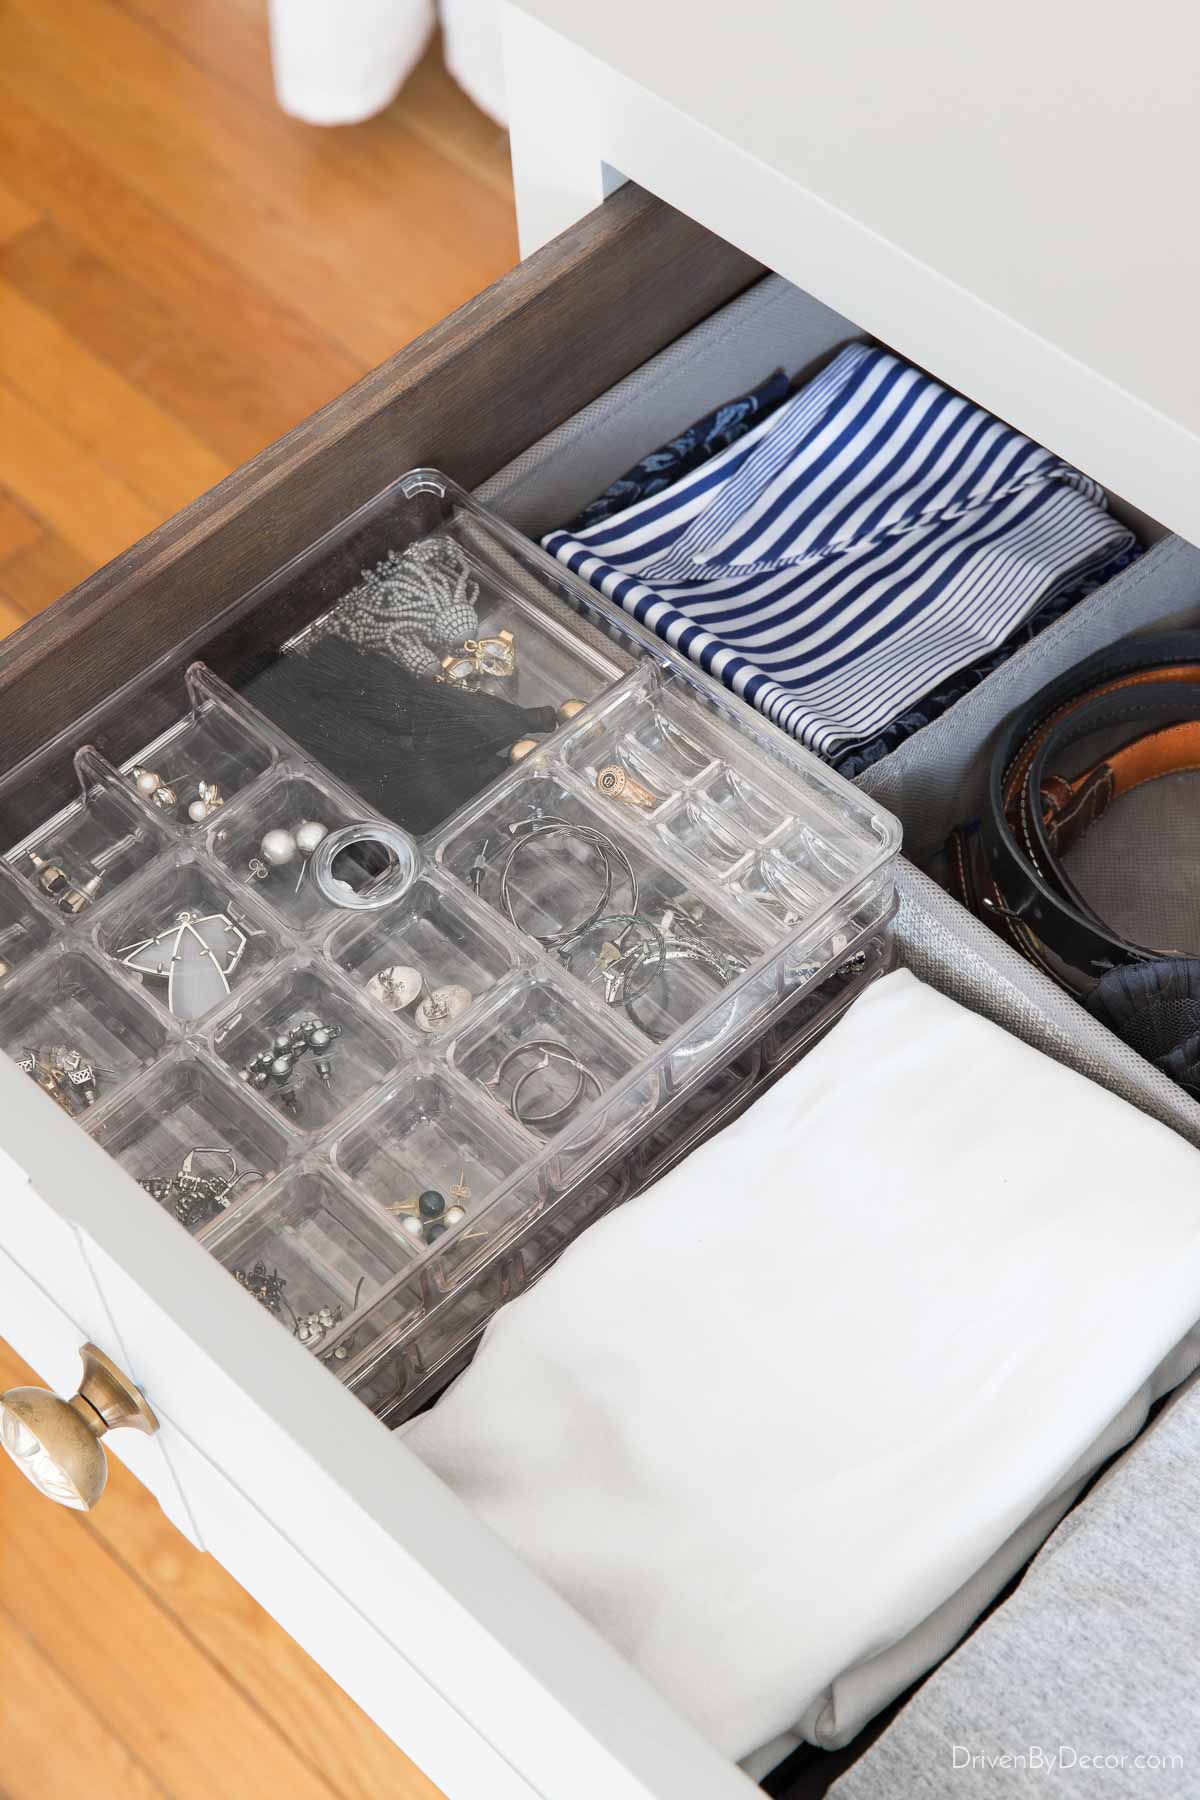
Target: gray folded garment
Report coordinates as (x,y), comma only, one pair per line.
(1086,1677)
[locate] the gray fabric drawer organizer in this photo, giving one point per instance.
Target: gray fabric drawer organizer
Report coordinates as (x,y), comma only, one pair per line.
(932,782)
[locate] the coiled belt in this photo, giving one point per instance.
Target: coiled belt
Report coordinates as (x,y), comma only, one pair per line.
(1146,690)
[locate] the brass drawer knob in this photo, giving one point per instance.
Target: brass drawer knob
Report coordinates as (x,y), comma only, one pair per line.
(56,1443)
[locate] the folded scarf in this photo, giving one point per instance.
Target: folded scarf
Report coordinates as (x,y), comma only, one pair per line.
(862,544)
(698,444)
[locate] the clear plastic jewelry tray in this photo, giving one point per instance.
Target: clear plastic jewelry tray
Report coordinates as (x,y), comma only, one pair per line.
(151,951)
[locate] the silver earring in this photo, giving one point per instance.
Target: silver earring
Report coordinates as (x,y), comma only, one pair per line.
(265,1284)
(396,987)
(277,1065)
(64,1074)
(58,886)
(194,1197)
(439,1010)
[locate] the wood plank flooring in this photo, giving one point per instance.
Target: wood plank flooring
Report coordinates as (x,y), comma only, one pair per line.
(184,274)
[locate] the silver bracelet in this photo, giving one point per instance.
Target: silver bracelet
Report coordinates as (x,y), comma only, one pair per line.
(721,963)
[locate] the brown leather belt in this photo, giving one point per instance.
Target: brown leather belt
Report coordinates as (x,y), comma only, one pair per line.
(1146,691)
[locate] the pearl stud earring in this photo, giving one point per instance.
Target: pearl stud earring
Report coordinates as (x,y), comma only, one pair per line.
(153,788)
(206,802)
(281,847)
(308,835)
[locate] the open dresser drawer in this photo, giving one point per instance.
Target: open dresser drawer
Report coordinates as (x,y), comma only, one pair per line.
(485,1677)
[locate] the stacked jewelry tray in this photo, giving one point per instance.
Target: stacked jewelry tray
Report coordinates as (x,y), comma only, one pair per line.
(384,1075)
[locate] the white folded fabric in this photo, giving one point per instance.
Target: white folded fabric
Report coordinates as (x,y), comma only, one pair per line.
(759,1423)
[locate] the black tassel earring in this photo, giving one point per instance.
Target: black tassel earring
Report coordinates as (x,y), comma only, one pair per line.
(416,750)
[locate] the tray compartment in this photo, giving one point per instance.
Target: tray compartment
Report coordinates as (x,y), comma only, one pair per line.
(327,1079)
(284,802)
(193,940)
(68,1000)
(215,748)
(406,1364)
(312,1254)
(539,1010)
(185,1109)
(97,844)
(24,930)
(436,930)
(430,1134)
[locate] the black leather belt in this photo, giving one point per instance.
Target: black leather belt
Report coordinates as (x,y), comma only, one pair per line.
(1144,695)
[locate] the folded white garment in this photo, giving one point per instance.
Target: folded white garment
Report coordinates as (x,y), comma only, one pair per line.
(759,1423)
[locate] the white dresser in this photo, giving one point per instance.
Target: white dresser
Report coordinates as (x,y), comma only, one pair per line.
(999,197)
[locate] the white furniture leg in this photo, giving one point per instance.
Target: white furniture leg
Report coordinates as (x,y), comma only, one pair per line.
(558,169)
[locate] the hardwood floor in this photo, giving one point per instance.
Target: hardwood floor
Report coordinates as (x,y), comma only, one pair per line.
(185,273)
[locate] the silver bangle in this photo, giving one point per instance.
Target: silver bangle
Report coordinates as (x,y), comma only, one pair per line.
(723,964)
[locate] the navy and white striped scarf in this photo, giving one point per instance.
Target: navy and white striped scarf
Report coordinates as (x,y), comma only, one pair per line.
(866,541)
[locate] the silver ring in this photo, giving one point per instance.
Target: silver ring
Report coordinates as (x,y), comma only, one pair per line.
(391,885)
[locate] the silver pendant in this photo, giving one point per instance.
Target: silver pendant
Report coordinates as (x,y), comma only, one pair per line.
(195,956)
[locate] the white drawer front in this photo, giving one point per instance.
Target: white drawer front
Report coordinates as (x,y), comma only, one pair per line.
(51,1304)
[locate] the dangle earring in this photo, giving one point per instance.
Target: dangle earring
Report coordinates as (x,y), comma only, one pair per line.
(196,1198)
